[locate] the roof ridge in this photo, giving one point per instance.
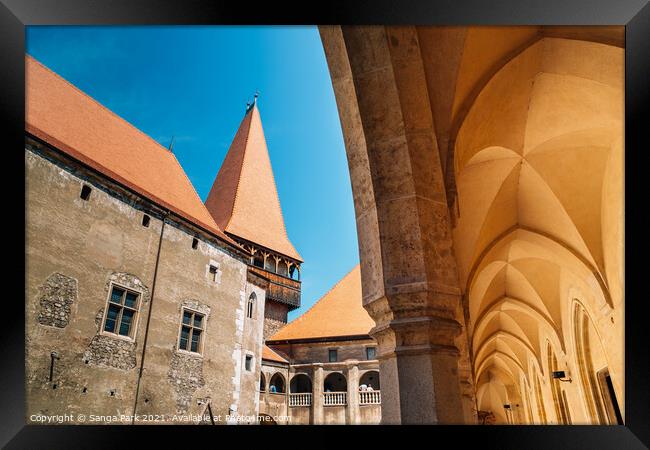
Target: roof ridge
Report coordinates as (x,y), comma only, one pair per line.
(303,315)
(98,103)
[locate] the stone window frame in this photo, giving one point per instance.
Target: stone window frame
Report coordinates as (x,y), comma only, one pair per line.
(251,310)
(329,357)
(136,319)
(199,353)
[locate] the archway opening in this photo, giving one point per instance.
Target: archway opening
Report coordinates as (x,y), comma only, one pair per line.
(300,384)
(335,382)
(371,380)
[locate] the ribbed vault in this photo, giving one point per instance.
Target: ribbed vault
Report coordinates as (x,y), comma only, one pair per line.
(536,161)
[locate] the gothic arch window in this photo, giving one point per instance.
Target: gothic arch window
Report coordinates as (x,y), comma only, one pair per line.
(277,384)
(250,307)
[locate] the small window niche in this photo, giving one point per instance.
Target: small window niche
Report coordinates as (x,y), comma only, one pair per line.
(145,220)
(214,275)
(195,243)
(333,355)
(371,353)
(85,192)
(249,363)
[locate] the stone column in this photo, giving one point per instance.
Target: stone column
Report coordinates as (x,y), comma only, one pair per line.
(317,395)
(352,414)
(419,370)
(408,270)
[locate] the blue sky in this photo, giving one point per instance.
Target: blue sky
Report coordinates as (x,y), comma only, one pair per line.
(193,83)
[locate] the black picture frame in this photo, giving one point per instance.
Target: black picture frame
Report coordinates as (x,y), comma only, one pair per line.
(634,14)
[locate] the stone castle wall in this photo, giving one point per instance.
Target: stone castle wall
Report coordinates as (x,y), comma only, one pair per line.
(75,250)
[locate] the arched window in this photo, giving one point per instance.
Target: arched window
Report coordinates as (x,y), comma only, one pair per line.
(262,382)
(335,382)
(300,383)
(294,273)
(276,386)
(251,305)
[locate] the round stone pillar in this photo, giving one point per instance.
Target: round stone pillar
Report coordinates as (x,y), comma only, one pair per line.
(317,395)
(352,414)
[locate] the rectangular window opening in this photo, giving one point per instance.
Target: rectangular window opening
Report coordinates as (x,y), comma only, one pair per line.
(145,220)
(333,355)
(191,331)
(195,243)
(85,192)
(121,312)
(371,352)
(249,362)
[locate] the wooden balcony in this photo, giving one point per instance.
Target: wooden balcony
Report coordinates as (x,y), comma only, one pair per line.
(281,289)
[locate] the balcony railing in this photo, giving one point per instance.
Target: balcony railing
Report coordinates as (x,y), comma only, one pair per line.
(335,398)
(370,397)
(300,399)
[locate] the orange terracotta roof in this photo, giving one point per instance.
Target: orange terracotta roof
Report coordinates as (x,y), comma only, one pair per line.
(338,313)
(244,200)
(268,353)
(73,122)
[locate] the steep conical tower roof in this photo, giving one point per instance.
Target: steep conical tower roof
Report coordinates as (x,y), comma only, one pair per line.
(244,200)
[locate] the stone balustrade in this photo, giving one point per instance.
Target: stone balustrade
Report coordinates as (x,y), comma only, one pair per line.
(335,398)
(300,399)
(370,397)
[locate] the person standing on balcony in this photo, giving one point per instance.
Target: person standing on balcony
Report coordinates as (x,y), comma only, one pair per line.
(273,389)
(363,388)
(370,387)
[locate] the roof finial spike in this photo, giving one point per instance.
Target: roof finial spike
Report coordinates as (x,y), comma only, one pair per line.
(171,145)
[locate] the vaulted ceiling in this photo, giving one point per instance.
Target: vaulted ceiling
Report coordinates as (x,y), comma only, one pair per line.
(534,141)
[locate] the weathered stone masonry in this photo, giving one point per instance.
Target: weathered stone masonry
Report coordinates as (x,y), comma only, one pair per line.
(70,275)
(58,293)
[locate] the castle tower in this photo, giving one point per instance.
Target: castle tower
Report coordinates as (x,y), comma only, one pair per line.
(244,202)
